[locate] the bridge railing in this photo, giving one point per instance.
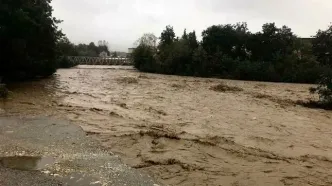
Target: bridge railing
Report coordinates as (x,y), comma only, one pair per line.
(82,60)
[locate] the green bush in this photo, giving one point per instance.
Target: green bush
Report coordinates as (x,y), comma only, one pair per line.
(324,89)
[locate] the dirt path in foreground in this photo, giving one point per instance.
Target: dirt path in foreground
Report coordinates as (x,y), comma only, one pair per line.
(189,131)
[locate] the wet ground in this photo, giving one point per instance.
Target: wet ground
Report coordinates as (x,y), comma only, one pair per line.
(26,162)
(190,131)
(45,151)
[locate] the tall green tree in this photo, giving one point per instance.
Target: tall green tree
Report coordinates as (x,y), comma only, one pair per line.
(148,39)
(272,43)
(218,38)
(322,46)
(185,35)
(66,48)
(192,40)
(167,36)
(322,49)
(92,50)
(228,39)
(28,36)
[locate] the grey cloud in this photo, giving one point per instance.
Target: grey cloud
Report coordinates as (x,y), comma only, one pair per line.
(121,22)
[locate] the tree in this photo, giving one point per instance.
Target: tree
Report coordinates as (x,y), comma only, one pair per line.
(185,35)
(143,58)
(103,47)
(200,65)
(148,39)
(176,58)
(192,40)
(322,46)
(93,50)
(228,39)
(272,43)
(144,54)
(322,49)
(66,48)
(167,37)
(241,47)
(28,36)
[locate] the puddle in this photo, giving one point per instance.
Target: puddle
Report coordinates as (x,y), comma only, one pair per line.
(26,162)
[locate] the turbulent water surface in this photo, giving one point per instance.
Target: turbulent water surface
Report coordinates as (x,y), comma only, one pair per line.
(190,131)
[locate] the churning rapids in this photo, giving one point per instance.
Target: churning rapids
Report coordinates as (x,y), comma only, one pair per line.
(189,131)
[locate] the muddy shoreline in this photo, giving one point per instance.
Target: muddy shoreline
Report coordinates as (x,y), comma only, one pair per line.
(185,131)
(45,152)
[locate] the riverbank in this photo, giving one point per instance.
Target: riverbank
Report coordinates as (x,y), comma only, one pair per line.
(188,131)
(43,151)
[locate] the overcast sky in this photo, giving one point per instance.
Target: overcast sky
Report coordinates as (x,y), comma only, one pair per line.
(121,22)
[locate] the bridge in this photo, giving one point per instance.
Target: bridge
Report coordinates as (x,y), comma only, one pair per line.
(82,60)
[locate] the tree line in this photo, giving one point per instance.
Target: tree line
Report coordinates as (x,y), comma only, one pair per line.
(231,51)
(67,48)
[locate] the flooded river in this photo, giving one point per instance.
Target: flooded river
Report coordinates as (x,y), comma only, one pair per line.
(189,131)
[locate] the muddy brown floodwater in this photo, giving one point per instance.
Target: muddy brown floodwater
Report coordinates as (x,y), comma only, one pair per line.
(190,131)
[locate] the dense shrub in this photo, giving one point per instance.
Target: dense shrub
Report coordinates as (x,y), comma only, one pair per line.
(324,89)
(322,49)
